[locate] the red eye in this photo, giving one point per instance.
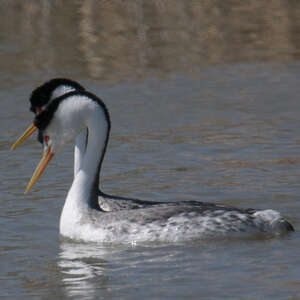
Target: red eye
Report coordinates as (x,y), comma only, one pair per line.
(47,138)
(39,109)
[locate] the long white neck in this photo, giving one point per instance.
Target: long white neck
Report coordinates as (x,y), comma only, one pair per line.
(79,150)
(81,141)
(83,194)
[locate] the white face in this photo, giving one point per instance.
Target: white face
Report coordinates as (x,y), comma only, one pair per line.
(68,121)
(59,91)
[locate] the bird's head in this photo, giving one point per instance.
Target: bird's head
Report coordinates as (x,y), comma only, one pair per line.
(61,121)
(50,90)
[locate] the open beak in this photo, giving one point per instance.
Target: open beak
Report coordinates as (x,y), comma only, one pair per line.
(30,130)
(47,156)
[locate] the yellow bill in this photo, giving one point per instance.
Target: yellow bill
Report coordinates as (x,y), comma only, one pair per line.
(48,154)
(30,130)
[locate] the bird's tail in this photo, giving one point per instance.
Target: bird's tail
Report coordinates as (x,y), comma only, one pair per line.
(271,221)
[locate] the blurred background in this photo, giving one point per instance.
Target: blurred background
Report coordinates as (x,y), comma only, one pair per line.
(115,41)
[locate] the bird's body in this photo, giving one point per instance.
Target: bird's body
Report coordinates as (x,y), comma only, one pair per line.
(170,222)
(90,215)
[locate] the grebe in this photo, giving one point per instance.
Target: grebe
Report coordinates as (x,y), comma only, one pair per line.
(83,219)
(57,87)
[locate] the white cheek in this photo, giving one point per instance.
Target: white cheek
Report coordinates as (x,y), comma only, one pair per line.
(63,131)
(68,121)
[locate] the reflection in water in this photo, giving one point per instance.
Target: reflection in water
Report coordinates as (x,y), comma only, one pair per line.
(90,270)
(114,40)
(82,268)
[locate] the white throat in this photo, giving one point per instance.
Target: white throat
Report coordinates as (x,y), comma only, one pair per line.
(83,194)
(79,150)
